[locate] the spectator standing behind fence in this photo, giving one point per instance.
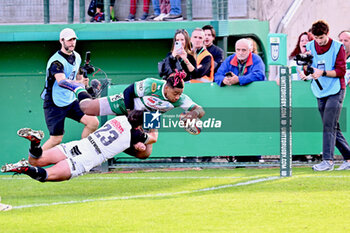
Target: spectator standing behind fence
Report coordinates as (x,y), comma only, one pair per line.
(344,37)
(180,57)
(175,11)
(300,48)
(204,60)
(329,70)
(160,11)
(215,51)
(254,47)
(241,68)
(59,102)
(133,5)
(100,16)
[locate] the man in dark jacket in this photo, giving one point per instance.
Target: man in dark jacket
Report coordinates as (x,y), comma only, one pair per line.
(216,52)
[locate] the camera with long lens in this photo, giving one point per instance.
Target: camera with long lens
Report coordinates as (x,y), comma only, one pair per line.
(88,68)
(306,60)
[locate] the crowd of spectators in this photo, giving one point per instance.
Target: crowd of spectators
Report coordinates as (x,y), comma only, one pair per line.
(163,10)
(204,62)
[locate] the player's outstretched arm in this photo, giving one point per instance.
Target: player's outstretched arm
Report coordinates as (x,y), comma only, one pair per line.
(196,112)
(144,150)
(152,136)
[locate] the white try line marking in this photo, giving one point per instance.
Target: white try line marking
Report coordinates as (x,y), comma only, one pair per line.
(145,178)
(151,195)
(177,177)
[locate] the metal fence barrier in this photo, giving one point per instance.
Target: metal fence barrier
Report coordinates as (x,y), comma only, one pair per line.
(75,11)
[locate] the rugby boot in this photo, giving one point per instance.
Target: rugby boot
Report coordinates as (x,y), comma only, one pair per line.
(19,167)
(31,135)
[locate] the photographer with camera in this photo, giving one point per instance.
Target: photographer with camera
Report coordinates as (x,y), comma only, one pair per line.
(328,68)
(93,87)
(59,102)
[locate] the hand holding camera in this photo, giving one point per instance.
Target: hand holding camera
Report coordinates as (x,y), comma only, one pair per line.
(305,59)
(89,69)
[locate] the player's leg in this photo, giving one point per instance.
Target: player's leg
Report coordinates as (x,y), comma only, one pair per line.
(52,142)
(110,105)
(76,158)
(91,122)
(90,107)
(23,167)
(36,155)
(54,117)
(35,137)
(87,104)
(59,172)
(48,157)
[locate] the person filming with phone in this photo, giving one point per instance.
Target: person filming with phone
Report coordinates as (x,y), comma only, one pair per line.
(179,58)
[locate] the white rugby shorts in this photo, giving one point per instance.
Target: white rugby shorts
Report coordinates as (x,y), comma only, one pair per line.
(81,156)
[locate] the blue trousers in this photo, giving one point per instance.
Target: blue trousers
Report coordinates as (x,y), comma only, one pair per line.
(330,109)
(175,7)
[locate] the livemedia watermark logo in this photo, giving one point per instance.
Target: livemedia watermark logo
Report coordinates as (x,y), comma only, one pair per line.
(241,120)
(152,120)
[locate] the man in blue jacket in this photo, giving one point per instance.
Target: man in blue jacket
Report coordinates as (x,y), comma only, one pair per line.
(241,68)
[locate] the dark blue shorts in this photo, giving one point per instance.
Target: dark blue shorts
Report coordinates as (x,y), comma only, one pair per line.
(100,3)
(55,116)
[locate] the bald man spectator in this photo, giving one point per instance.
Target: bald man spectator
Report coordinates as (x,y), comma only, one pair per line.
(241,68)
(215,51)
(344,37)
(205,61)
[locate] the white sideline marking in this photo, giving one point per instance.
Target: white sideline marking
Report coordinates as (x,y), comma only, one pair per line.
(151,195)
(145,178)
(167,177)
(177,177)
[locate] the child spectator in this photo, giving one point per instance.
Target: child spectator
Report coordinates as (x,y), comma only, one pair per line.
(133,5)
(99,16)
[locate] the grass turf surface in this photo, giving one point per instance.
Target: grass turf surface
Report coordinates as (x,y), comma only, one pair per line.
(209,200)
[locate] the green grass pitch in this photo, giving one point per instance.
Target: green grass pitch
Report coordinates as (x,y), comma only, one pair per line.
(208,200)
